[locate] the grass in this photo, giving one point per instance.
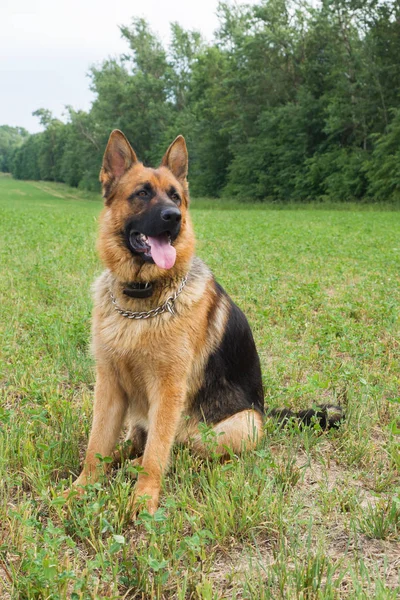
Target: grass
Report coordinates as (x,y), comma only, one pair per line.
(308,515)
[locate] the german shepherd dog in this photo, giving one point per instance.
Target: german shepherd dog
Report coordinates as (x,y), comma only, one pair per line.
(171,348)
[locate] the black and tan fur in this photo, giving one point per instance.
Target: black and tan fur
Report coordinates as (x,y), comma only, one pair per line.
(162,376)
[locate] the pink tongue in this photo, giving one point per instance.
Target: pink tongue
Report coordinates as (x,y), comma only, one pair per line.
(163,254)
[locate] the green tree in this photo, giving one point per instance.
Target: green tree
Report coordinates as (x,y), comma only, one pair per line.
(10,139)
(133,93)
(293,100)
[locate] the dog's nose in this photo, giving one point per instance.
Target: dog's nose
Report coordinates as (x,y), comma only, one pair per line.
(171,215)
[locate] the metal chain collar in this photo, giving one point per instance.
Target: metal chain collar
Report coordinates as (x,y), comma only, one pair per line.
(168,305)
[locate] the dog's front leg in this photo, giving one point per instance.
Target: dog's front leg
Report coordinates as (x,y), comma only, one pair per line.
(108,415)
(164,416)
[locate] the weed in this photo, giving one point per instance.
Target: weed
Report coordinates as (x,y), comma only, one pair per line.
(381,520)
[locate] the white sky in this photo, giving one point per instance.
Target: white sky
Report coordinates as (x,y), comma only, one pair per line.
(47,46)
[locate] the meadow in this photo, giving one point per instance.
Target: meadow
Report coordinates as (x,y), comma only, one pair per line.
(307,515)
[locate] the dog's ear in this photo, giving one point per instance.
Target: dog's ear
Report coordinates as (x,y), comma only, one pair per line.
(176,158)
(118,158)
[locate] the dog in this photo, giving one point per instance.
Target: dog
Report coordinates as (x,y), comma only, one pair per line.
(172,350)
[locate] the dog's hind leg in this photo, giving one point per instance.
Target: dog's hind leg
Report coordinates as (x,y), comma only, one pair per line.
(133,446)
(235,434)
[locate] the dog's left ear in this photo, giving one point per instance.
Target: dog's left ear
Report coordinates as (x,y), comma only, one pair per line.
(176,158)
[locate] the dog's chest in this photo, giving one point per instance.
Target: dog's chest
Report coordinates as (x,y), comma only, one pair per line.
(133,339)
(140,352)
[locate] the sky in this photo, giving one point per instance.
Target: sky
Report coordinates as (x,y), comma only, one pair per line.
(47,47)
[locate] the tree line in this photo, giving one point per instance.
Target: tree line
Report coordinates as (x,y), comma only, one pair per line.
(289,102)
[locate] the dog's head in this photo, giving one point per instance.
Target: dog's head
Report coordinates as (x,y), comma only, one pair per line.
(145,230)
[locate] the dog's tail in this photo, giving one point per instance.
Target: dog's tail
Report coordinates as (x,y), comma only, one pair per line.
(326,415)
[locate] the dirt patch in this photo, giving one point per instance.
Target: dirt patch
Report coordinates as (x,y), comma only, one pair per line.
(342,539)
(240,563)
(19,192)
(48,190)
(56,194)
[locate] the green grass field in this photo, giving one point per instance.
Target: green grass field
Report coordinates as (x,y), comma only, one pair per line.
(308,515)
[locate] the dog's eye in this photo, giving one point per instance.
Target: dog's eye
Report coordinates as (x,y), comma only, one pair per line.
(142,193)
(175,197)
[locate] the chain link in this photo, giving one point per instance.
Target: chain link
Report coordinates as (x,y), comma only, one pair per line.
(168,305)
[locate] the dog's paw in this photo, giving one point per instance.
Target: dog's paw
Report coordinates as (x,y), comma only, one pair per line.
(145,498)
(77,489)
(73,491)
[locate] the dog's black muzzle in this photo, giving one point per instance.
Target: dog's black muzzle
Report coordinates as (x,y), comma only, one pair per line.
(162,219)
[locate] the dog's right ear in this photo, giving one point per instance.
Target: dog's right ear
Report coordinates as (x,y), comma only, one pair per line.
(118,158)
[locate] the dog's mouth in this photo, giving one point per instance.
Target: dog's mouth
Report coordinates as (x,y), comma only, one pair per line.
(157,248)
